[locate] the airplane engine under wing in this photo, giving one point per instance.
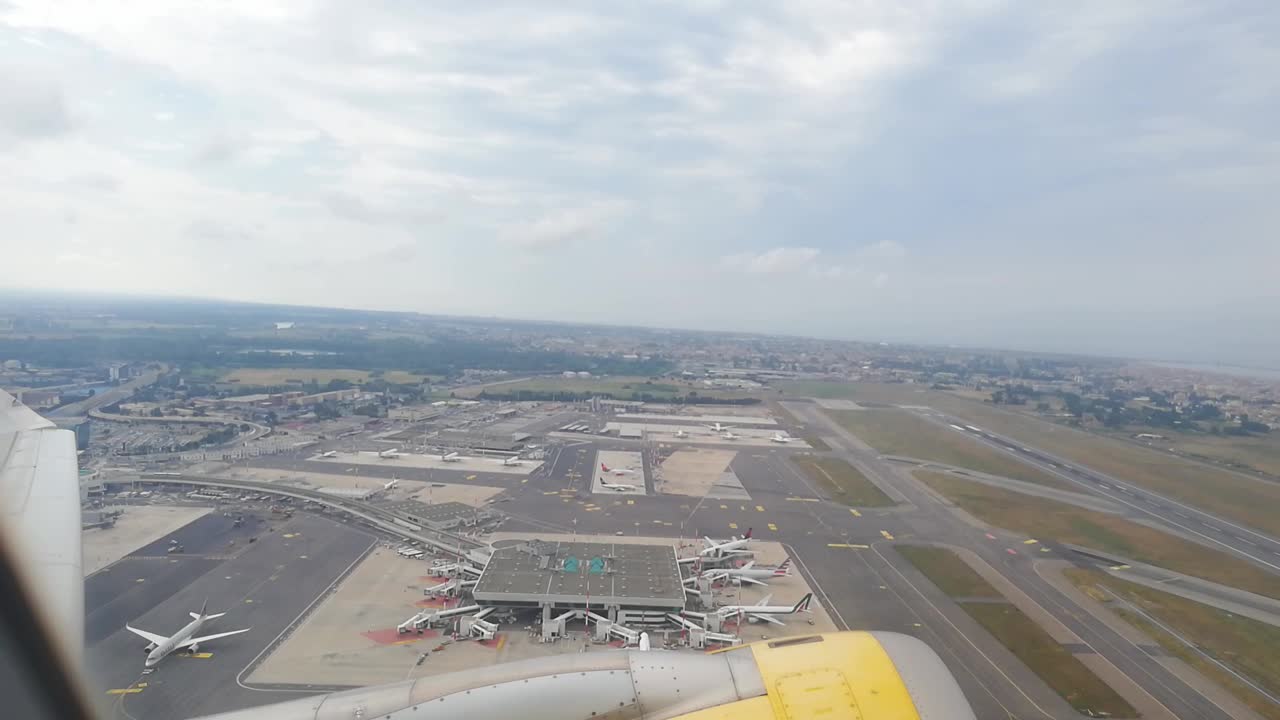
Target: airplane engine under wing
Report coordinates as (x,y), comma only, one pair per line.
(865,675)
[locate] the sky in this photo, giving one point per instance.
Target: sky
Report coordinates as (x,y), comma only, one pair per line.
(1095,177)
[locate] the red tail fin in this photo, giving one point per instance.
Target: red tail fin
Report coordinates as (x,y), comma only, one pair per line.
(604,467)
(803,605)
(748,533)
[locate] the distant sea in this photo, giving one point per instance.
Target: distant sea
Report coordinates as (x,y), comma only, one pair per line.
(1234,370)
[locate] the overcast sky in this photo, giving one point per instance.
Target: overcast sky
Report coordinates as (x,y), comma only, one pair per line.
(1089,176)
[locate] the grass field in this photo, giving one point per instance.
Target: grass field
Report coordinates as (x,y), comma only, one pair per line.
(1259,452)
(272,377)
(842,481)
(898,432)
(952,575)
(1045,519)
(1054,664)
(618,387)
(1240,499)
(1246,646)
(1060,670)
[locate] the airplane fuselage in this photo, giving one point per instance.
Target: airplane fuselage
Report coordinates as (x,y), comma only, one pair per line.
(163,649)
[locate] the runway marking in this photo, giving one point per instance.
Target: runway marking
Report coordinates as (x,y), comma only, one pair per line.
(724,507)
(1119,567)
(1030,541)
(140,580)
(759,508)
(847,545)
(471,477)
(800,499)
(1044,549)
(551,492)
(733,526)
(124,691)
(855,512)
(887,535)
(631,502)
(657,522)
(773,527)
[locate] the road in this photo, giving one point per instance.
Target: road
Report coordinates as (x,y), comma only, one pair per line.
(106,397)
(1207,528)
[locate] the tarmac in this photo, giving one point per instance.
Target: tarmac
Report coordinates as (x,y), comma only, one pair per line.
(266,586)
(138,526)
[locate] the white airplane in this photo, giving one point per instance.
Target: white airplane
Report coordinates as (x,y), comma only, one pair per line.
(681,434)
(726,435)
(391,454)
(620,487)
(159,646)
(719,428)
(780,438)
(749,573)
(616,471)
(761,611)
(329,454)
(512,462)
(733,545)
(451,457)
(391,484)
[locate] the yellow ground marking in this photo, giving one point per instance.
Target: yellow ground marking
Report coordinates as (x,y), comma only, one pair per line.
(724,507)
(249,600)
(855,512)
(759,508)
(551,492)
(1030,541)
(887,535)
(657,522)
(524,481)
(198,656)
(289,535)
(471,477)
(733,526)
(773,527)
(631,502)
(124,691)
(800,499)
(1044,549)
(502,641)
(847,545)
(1119,567)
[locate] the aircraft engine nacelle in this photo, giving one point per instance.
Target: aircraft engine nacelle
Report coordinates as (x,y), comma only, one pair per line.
(149,647)
(194,648)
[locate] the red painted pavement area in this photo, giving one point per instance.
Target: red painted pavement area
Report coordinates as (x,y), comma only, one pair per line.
(432,602)
(390,636)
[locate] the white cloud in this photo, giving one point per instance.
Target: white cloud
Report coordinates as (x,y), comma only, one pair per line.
(776,260)
(564,226)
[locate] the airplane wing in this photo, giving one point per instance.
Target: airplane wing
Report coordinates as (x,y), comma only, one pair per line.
(40,514)
(157,639)
(767,618)
(193,641)
(766,600)
(753,581)
(748,565)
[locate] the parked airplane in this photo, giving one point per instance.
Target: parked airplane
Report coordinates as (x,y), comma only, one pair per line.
(780,438)
(749,573)
(451,457)
(726,435)
(391,484)
(391,454)
(731,546)
(719,428)
(616,471)
(760,612)
(159,646)
(512,462)
(620,487)
(329,454)
(681,434)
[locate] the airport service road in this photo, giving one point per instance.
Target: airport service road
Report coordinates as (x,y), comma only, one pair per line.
(931,520)
(1198,525)
(265,587)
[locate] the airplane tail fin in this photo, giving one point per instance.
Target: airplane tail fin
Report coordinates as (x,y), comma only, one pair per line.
(204,607)
(803,605)
(783,569)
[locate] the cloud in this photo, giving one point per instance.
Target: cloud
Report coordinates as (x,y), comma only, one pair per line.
(32,107)
(565,226)
(771,262)
(965,149)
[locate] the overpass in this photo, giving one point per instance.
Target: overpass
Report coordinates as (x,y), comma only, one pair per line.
(376,516)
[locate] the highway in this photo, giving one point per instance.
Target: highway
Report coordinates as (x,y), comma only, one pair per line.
(1204,527)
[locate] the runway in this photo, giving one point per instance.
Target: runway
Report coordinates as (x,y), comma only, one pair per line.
(265,587)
